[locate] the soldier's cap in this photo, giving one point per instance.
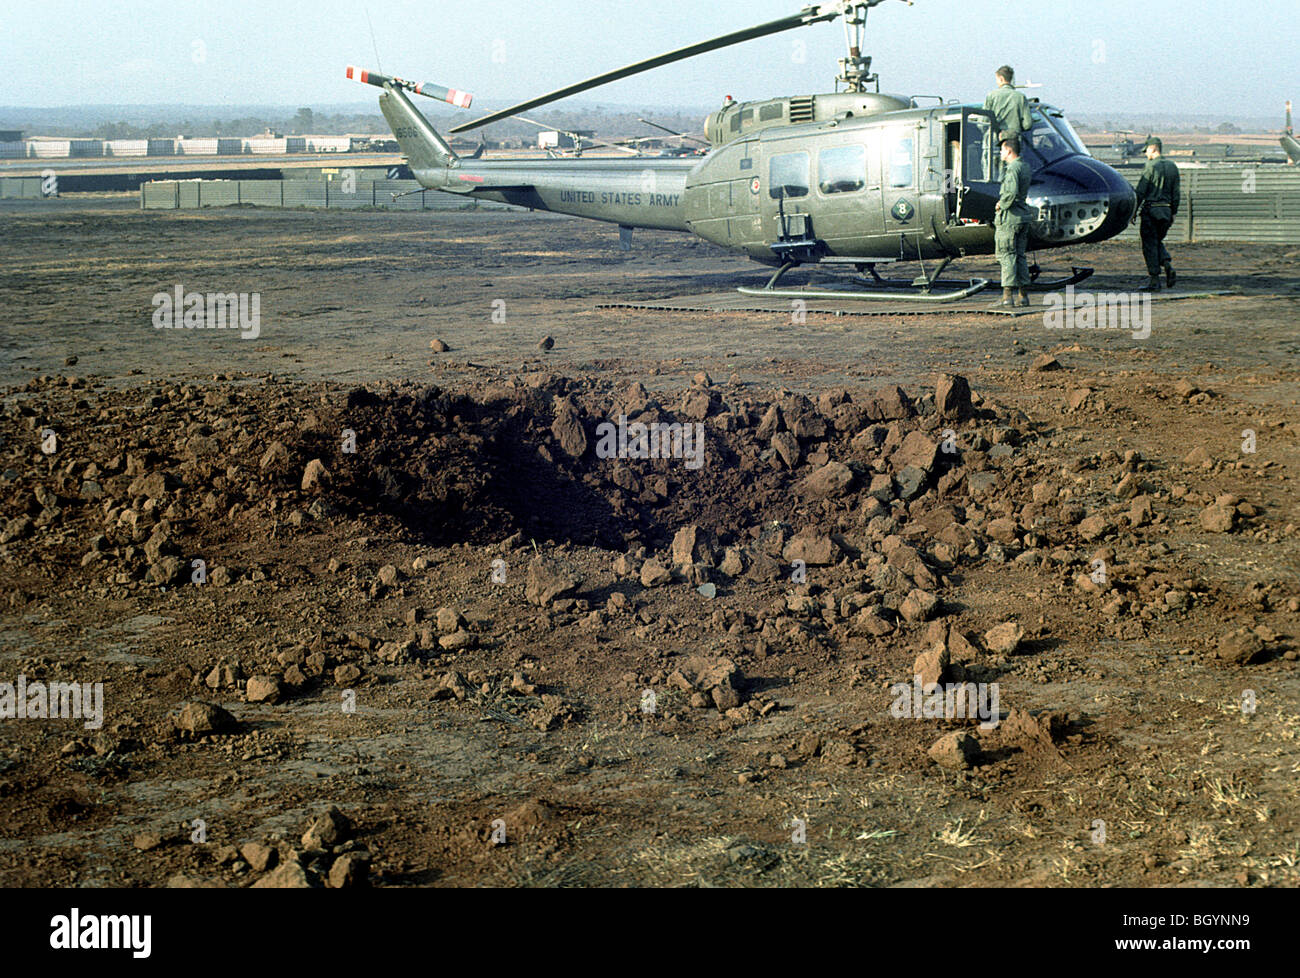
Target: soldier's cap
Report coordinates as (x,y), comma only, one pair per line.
(1154,141)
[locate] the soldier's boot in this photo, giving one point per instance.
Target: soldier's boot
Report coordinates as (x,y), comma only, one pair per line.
(1023,298)
(1170,276)
(1153,284)
(1006,302)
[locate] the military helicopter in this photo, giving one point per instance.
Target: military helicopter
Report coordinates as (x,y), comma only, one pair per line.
(843,181)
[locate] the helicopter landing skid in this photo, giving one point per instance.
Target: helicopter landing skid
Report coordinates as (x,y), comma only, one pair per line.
(769,288)
(1078,274)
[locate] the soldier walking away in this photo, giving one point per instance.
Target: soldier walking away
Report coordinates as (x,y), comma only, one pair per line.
(1009,106)
(1158,198)
(1011,224)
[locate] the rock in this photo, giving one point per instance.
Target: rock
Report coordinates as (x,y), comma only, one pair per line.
(199,719)
(1197,457)
(830,481)
(449,620)
(259,856)
(769,425)
(932,666)
(276,456)
(916,450)
(685,542)
(787,448)
(345,675)
(438,346)
(952,397)
(349,870)
(733,562)
(1004,639)
(869,622)
(1003,530)
(888,404)
(328,828)
(1095,527)
(1077,398)
(1045,362)
(956,751)
(165,570)
(546,343)
(814,548)
(548,580)
(708,590)
(147,841)
(456,641)
(262,689)
(156,485)
(961,649)
(919,605)
(1241,647)
(1218,519)
(911,482)
(388,575)
(567,429)
(653,574)
(698,404)
(315,477)
(288,876)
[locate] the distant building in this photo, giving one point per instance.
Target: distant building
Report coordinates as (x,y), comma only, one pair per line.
(11,135)
(552,139)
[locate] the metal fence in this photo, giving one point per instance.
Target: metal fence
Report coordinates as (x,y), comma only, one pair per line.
(316,194)
(1258,204)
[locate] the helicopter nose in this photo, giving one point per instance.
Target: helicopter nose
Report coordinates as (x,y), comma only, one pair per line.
(1080,199)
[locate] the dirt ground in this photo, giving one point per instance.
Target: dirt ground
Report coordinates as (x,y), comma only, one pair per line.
(428,603)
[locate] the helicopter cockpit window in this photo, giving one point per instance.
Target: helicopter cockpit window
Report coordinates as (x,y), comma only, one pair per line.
(1045,145)
(789,176)
(898,151)
(1067,133)
(842,169)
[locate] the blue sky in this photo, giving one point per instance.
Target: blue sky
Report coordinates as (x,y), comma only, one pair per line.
(1194,56)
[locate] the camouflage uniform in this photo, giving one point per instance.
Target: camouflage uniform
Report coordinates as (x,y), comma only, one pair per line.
(1157,197)
(1011,227)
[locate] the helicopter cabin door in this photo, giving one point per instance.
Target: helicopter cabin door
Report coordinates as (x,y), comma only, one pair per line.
(976,193)
(899,187)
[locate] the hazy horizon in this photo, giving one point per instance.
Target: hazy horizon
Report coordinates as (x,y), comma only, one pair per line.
(1102,59)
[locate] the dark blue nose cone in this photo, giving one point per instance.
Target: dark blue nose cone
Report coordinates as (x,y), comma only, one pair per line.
(1080,199)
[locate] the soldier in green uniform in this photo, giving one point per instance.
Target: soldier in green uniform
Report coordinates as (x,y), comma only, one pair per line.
(1158,198)
(1009,106)
(1011,224)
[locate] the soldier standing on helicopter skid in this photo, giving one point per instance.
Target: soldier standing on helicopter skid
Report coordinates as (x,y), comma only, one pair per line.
(1011,224)
(1009,106)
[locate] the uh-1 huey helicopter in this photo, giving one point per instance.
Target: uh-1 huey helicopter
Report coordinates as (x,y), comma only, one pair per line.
(846,180)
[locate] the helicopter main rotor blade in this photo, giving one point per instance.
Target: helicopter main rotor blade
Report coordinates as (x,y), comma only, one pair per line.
(672,132)
(811,14)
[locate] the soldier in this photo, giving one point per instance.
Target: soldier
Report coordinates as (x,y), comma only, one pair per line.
(1009,106)
(1157,198)
(1011,224)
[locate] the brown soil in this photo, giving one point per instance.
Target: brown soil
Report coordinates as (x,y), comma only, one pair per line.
(524,700)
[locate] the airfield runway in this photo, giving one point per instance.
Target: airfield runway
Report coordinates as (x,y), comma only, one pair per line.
(499,600)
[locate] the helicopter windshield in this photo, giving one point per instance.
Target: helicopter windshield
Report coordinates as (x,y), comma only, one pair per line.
(1051,139)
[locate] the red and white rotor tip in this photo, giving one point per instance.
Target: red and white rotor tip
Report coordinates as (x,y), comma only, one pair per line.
(451,96)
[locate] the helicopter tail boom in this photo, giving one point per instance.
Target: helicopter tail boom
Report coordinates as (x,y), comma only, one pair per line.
(424,148)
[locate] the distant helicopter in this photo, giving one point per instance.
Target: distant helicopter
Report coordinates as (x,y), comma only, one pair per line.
(846,180)
(1124,145)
